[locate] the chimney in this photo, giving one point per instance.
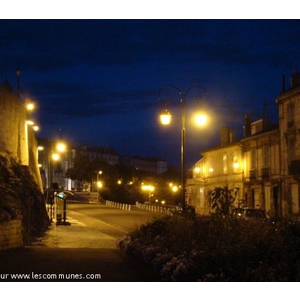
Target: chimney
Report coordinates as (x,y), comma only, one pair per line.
(247,125)
(224,135)
(227,135)
(295,78)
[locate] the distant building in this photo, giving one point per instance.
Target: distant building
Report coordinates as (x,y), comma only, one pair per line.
(151,165)
(106,154)
(53,171)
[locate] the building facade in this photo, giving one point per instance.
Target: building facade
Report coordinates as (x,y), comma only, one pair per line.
(268,161)
(289,125)
(261,163)
(221,166)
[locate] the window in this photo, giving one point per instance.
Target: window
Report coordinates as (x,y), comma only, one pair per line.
(224,163)
(210,169)
(253,159)
(291,150)
(290,115)
(235,163)
(266,156)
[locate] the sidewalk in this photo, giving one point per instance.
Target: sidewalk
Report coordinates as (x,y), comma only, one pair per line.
(75,235)
(73,253)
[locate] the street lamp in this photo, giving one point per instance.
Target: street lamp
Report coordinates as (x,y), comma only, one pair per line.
(55,156)
(165,118)
(149,189)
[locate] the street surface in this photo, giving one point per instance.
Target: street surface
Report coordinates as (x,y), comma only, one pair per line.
(84,251)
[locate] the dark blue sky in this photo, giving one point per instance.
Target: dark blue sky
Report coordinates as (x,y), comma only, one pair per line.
(97,81)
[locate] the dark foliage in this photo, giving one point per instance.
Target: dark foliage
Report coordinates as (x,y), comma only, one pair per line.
(217,249)
(222,199)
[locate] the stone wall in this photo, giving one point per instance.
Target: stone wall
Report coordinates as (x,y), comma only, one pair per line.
(13,135)
(17,137)
(11,234)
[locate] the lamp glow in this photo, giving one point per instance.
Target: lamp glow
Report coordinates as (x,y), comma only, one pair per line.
(99,184)
(55,156)
(201,119)
(61,147)
(30,106)
(165,117)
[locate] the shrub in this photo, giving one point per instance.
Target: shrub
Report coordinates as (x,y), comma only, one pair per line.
(217,249)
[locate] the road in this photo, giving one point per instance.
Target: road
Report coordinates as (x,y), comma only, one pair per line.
(121,220)
(86,247)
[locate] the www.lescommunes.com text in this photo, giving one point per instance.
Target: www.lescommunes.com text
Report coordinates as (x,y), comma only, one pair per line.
(46,276)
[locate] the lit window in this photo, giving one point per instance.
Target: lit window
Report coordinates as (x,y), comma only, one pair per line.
(225,163)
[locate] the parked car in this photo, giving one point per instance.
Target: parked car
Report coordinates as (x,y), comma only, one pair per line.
(249,214)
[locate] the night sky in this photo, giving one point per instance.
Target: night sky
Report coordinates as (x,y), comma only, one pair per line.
(96,82)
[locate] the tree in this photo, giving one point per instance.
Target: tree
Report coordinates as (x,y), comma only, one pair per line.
(222,199)
(84,169)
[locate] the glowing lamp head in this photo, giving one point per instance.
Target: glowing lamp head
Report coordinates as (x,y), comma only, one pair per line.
(165,117)
(100,184)
(55,156)
(30,106)
(61,147)
(201,119)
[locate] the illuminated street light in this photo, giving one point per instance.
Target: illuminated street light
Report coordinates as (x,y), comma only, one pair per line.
(201,119)
(165,118)
(61,147)
(149,189)
(30,106)
(55,156)
(174,188)
(99,184)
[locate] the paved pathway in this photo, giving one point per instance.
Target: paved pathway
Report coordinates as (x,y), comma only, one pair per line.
(73,253)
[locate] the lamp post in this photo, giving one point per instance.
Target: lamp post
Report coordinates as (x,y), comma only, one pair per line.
(165,118)
(55,156)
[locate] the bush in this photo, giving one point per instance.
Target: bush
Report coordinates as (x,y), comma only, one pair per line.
(217,249)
